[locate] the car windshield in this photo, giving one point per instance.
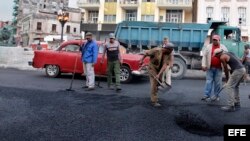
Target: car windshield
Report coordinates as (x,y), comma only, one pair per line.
(70,48)
(57,48)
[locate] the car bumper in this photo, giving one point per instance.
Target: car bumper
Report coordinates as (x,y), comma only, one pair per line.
(139,72)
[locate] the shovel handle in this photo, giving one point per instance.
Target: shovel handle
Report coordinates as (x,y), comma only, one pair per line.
(146,66)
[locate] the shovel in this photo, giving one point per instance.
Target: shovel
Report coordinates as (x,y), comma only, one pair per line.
(162,86)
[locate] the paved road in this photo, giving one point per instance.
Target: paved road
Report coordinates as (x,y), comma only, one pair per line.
(34,107)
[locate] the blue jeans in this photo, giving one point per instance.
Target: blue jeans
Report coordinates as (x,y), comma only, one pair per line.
(213,77)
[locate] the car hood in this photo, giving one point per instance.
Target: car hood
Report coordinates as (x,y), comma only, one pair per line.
(131,56)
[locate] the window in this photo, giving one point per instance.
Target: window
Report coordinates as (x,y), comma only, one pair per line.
(92,1)
(173,1)
(53,28)
(131,15)
(174,16)
(68,29)
(230,34)
(149,18)
(39,26)
(74,30)
(129,1)
(242,15)
(93,16)
(109,18)
(110,0)
(71,48)
(148,0)
(209,12)
(225,12)
(161,18)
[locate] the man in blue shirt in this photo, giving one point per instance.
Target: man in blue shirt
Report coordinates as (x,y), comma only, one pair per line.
(89,58)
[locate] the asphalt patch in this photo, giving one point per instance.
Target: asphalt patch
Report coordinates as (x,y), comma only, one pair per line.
(195,124)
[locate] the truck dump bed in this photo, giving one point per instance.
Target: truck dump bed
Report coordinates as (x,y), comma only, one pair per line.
(183,35)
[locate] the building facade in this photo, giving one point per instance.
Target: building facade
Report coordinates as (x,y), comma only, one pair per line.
(234,12)
(101,16)
(38,19)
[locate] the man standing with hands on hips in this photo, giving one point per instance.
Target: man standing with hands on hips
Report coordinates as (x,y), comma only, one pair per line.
(114,60)
(89,58)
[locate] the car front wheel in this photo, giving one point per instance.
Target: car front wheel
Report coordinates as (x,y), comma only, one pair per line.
(125,74)
(52,70)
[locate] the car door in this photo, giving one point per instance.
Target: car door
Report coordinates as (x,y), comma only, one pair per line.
(70,59)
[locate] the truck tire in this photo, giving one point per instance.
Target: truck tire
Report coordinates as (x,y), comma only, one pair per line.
(179,69)
(126,75)
(52,70)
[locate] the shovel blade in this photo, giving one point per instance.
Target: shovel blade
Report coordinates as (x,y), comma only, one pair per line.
(164,87)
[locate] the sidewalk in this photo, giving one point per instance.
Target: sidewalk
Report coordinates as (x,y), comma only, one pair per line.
(16,57)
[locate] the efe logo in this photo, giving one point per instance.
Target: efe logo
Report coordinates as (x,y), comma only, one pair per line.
(236,132)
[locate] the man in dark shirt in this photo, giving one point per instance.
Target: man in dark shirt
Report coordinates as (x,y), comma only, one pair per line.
(232,83)
(114,59)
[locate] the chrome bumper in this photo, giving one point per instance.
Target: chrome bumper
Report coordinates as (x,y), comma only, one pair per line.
(139,72)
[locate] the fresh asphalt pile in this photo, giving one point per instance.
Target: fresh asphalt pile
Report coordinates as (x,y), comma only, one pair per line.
(43,115)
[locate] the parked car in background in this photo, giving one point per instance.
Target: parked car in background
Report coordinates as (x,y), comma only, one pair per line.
(63,59)
(43,45)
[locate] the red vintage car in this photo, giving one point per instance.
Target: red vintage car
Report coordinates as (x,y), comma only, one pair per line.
(64,58)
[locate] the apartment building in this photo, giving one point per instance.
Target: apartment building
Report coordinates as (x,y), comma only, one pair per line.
(101,16)
(234,12)
(37,19)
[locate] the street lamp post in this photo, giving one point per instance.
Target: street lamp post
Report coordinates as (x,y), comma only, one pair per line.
(62,17)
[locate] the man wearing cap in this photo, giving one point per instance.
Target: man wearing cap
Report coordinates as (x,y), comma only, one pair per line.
(213,68)
(238,71)
(114,60)
(246,59)
(166,76)
(89,58)
(157,64)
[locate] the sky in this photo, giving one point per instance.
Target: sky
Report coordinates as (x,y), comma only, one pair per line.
(6,9)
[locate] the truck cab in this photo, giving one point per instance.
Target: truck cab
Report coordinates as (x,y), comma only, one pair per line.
(231,38)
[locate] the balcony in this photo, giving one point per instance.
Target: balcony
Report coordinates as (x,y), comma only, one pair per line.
(129,4)
(89,4)
(173,4)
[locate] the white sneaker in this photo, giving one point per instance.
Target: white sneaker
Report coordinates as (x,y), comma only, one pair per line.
(215,98)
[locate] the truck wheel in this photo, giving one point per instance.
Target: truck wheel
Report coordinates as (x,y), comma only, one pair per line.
(125,75)
(179,69)
(52,70)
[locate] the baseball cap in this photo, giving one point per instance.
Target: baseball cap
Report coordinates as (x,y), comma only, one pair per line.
(165,38)
(169,45)
(216,37)
(111,35)
(88,34)
(217,51)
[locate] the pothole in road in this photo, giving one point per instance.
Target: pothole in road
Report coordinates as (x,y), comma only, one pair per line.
(196,125)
